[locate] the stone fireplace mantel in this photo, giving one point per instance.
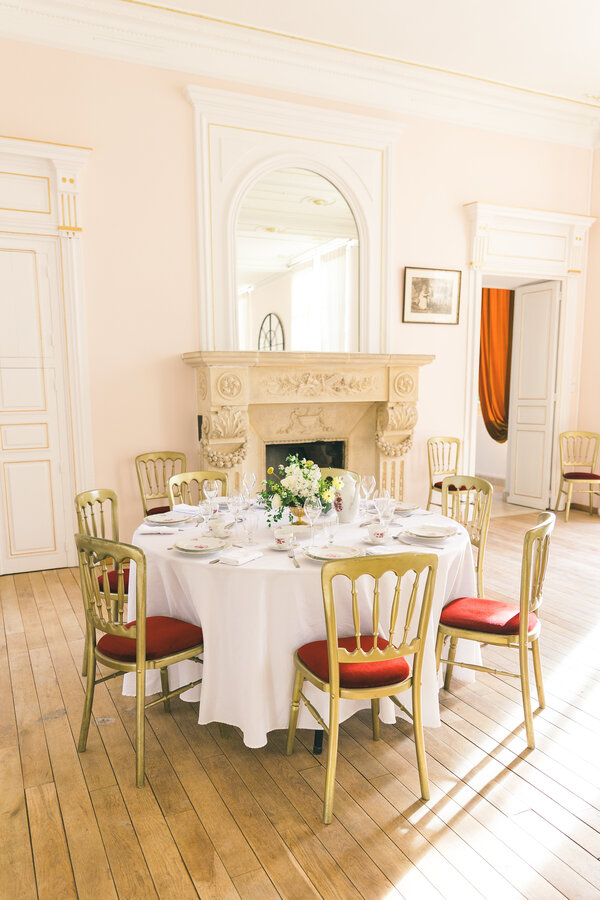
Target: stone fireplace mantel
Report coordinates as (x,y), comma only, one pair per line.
(250,399)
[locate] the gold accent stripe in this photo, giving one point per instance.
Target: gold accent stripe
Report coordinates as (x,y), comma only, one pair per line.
(11,137)
(366,53)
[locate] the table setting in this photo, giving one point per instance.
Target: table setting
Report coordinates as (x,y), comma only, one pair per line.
(249,574)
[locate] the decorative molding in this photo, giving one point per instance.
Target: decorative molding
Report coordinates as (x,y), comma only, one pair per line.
(397,417)
(307,420)
(404,383)
(229,386)
(157,36)
(311,384)
(227,423)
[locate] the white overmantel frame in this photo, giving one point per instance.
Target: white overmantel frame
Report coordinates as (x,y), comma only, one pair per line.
(239,138)
(62,165)
(538,245)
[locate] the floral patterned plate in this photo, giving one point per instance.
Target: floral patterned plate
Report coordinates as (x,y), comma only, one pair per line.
(331,552)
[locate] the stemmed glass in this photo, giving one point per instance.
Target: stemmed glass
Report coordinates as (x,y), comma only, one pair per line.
(387,513)
(312,509)
(251,524)
(367,486)
(211,489)
(248,481)
(381,501)
(332,524)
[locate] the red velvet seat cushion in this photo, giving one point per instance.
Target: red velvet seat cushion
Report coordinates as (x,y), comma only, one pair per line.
(581,476)
(113,581)
(439,485)
(355,675)
(164,636)
(478,614)
(158,509)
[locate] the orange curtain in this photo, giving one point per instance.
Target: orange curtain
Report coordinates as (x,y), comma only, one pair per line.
(494,360)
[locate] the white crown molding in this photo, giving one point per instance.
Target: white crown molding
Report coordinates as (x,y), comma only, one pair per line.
(217,50)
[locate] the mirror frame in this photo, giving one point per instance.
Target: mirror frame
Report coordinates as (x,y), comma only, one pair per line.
(239,138)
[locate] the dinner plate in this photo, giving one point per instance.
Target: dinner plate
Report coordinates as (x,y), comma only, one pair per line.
(332,552)
(200,544)
(405,509)
(431,532)
(168,518)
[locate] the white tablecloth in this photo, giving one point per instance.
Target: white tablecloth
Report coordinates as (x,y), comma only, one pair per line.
(255,616)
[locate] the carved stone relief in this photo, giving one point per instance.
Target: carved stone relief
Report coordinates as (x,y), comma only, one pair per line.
(229,386)
(221,428)
(310,384)
(404,383)
(306,420)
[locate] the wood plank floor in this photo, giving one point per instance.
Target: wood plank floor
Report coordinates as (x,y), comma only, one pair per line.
(218,820)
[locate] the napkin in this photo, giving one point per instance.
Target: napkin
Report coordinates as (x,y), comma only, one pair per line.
(186,508)
(156,529)
(381,550)
(237,556)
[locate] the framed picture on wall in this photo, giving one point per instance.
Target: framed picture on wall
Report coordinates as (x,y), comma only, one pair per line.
(431,296)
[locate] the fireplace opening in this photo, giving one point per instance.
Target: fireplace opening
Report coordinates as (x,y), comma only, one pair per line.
(323,453)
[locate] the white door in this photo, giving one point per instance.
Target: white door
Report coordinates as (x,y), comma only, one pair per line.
(532,394)
(36,483)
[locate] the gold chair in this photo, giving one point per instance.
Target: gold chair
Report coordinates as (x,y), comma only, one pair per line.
(98,516)
(468,500)
(153,472)
(505,624)
(369,665)
(442,455)
(154,642)
(187,486)
(578,459)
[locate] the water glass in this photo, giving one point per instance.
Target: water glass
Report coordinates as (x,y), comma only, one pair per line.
(248,481)
(332,523)
(210,489)
(251,526)
(367,486)
(312,511)
(381,502)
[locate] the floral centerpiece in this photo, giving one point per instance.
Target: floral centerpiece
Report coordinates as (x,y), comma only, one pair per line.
(298,480)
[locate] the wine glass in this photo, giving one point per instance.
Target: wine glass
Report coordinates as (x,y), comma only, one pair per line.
(312,509)
(367,486)
(332,523)
(387,513)
(251,524)
(381,502)
(248,481)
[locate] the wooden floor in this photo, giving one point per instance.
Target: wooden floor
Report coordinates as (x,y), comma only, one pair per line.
(218,820)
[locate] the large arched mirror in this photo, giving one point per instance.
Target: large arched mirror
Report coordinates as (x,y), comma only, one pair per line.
(296,246)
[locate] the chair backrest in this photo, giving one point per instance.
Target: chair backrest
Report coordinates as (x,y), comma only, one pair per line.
(442,454)
(98,513)
(153,472)
(105,610)
(579,449)
(468,500)
(536,545)
(401,616)
(187,486)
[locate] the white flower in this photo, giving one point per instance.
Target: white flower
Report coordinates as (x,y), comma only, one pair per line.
(275,501)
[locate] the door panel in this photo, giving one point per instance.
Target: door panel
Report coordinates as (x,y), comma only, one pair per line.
(36,487)
(532,394)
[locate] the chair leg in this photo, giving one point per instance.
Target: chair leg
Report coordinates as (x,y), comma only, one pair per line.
(449,666)
(479,573)
(89,698)
(526,695)
(164,683)
(439,646)
(591,500)
(537,668)
(294,710)
(420,740)
(568,507)
(332,745)
(88,638)
(429,497)
(140,726)
(375,718)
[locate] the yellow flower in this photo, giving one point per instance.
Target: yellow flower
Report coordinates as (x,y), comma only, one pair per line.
(328,496)
(270,470)
(337,483)
(309,463)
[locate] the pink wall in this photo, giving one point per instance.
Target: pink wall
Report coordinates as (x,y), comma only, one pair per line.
(140,251)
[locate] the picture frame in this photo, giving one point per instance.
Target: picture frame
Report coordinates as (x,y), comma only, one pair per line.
(431,296)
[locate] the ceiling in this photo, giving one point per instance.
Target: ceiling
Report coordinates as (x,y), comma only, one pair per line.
(547,46)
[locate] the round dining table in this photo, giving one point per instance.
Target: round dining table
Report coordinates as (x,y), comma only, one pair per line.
(256,615)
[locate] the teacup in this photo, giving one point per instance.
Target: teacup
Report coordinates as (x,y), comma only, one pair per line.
(377,533)
(284,537)
(220,526)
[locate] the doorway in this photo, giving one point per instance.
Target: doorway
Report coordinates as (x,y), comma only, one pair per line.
(521,467)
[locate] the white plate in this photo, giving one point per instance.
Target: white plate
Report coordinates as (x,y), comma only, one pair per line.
(432,543)
(431,532)
(333,552)
(200,545)
(168,518)
(368,540)
(405,509)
